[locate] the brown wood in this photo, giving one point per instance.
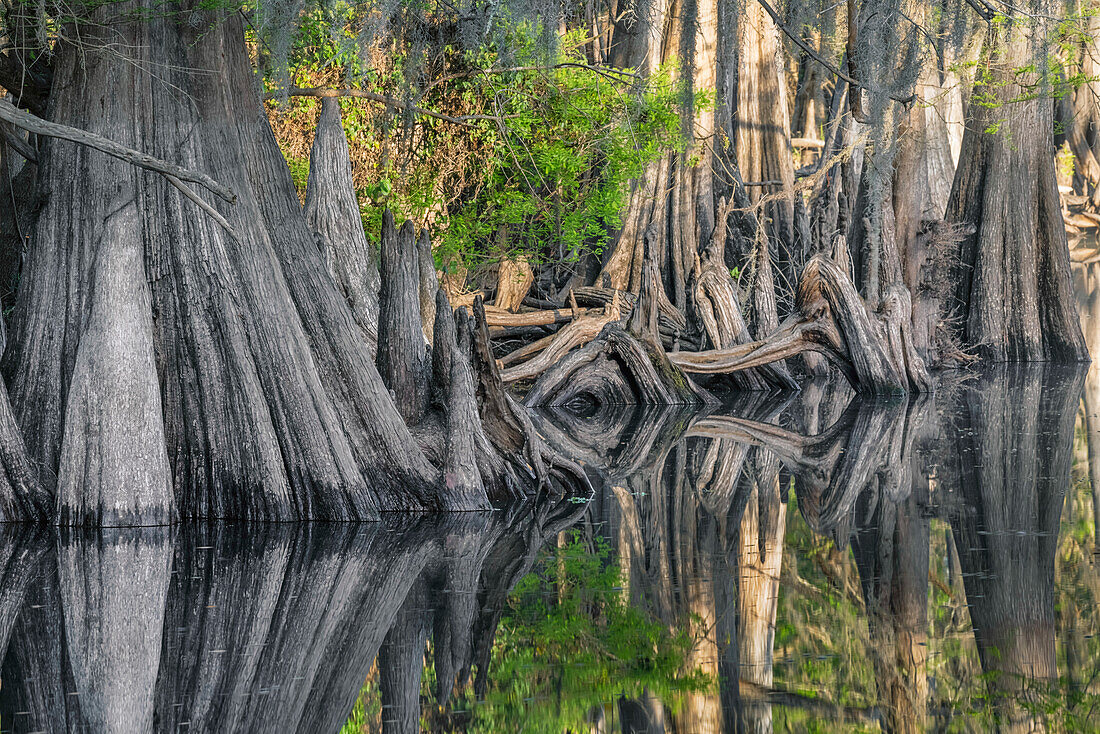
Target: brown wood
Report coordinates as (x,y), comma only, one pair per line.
(514,279)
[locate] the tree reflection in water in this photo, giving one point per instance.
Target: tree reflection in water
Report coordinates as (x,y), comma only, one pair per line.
(923,581)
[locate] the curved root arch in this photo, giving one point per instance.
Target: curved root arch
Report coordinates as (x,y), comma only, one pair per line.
(873,350)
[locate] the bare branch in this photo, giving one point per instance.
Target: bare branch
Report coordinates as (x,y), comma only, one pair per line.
(32,123)
(319,92)
(816,57)
(214,213)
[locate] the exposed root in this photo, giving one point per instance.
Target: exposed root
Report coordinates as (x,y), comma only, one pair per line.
(872,350)
(576,334)
(621,366)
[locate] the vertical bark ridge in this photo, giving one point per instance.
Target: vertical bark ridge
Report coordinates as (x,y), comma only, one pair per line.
(332,211)
(403,358)
(1013,297)
(271,404)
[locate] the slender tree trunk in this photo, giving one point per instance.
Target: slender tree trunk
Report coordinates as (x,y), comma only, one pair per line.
(760,551)
(763,137)
(332,211)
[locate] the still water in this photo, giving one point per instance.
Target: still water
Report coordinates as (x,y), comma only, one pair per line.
(821,564)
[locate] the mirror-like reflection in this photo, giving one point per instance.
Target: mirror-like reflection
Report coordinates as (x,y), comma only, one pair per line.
(822,563)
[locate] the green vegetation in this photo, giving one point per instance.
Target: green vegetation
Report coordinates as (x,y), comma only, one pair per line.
(539,166)
(569,641)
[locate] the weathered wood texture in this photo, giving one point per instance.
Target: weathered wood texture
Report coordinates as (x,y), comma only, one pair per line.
(332,211)
(228,375)
(831,318)
(1008,473)
(1012,299)
(621,366)
(403,358)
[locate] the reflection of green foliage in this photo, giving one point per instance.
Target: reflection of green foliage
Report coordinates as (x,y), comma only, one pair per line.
(569,641)
(821,643)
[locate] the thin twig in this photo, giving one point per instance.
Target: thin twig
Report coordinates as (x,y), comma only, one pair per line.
(388,101)
(214,213)
(835,71)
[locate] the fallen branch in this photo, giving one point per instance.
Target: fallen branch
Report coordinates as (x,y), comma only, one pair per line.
(31,123)
(214,213)
(778,697)
(527,351)
(500,317)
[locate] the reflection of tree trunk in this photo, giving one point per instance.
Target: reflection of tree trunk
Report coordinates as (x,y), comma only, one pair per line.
(36,673)
(1091,400)
(891,552)
(401,663)
(1086,287)
(642,716)
(760,557)
(1010,459)
(113,589)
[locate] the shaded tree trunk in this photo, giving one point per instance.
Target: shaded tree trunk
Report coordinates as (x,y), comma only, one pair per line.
(763,137)
(1012,466)
(1012,295)
(217,368)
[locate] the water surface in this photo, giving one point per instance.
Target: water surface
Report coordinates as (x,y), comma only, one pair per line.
(818,563)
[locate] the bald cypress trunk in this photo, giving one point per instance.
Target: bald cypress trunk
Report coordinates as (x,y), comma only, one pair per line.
(1012,298)
(333,213)
(161,360)
(763,136)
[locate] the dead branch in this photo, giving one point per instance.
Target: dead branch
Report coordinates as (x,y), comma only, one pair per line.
(31,123)
(321,92)
(576,334)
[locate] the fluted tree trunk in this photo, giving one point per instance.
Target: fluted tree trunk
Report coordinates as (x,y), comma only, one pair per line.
(176,354)
(333,213)
(1012,467)
(1012,295)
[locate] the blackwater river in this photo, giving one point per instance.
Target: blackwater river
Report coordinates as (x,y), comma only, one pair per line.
(812,564)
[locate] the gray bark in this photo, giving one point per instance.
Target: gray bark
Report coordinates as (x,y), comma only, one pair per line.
(332,211)
(1012,300)
(270,405)
(403,357)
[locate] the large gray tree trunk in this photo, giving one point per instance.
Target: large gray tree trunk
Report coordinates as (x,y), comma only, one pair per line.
(153,349)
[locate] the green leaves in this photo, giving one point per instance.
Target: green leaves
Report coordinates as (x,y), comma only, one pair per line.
(570,640)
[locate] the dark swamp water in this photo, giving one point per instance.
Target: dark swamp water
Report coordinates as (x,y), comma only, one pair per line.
(820,564)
